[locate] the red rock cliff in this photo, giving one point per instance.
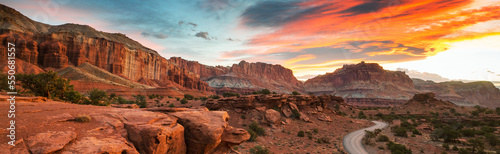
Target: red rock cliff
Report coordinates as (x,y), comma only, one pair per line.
(203,70)
(72,44)
(244,77)
(364,84)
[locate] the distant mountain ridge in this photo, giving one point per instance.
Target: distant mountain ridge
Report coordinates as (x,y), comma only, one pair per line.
(470,94)
(368,84)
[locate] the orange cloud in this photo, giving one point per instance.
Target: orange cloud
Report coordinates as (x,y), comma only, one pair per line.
(383,29)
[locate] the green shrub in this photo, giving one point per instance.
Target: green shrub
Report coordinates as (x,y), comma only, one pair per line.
(488,129)
(259,150)
(265,91)
(316,130)
(323,140)
(361,115)
(301,134)
(215,97)
(398,148)
(399,131)
(295,114)
(4,82)
(455,148)
(83,118)
(467,132)
(229,94)
(188,96)
(257,129)
(171,105)
(184,101)
(492,139)
(73,96)
(416,132)
(140,100)
(382,138)
(96,96)
(295,93)
(446,146)
(243,117)
(177,98)
(121,100)
(47,84)
(253,135)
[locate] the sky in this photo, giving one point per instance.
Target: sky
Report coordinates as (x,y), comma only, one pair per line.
(431,39)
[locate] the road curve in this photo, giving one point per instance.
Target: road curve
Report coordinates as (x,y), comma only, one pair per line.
(352,141)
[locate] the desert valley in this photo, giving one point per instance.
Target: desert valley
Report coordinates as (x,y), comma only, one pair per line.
(82,90)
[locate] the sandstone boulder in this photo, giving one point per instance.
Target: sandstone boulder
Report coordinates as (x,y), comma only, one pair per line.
(273,116)
(319,108)
(324,117)
(203,129)
(154,132)
(304,117)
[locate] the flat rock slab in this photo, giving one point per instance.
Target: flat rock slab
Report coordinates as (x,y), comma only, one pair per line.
(50,141)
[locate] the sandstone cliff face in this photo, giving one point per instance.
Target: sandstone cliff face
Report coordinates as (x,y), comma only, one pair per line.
(60,46)
(364,84)
(203,71)
(244,77)
(470,94)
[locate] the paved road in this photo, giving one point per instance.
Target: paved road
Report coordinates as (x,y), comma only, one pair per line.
(352,141)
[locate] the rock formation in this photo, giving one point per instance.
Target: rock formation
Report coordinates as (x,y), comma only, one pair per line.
(481,93)
(48,46)
(51,127)
(427,101)
(364,84)
(244,77)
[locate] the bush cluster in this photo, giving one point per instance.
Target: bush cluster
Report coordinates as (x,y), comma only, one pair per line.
(229,94)
(255,130)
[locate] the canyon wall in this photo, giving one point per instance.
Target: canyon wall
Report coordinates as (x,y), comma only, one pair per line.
(244,77)
(364,84)
(60,46)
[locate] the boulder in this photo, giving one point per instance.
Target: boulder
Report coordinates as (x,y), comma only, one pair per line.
(203,129)
(304,117)
(319,108)
(324,117)
(50,142)
(231,137)
(288,109)
(152,132)
(273,116)
(263,108)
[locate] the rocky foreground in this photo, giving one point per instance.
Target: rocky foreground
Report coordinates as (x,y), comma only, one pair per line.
(51,126)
